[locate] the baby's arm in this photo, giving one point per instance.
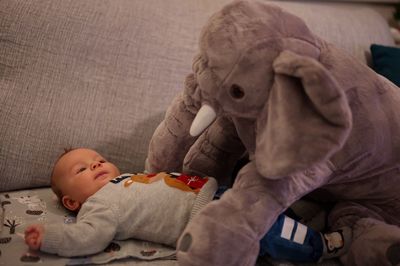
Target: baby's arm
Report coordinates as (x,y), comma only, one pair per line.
(34,235)
(95,228)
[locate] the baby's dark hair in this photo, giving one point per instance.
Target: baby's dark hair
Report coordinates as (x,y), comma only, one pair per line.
(55,189)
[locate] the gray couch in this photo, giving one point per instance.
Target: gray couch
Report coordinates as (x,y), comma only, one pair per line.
(101,74)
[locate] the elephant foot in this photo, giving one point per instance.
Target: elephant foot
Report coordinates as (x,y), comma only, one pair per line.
(208,241)
(374,243)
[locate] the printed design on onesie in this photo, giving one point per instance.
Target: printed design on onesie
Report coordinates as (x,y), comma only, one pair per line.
(176,180)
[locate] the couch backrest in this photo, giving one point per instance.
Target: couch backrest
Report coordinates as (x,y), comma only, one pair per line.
(100,74)
(351,27)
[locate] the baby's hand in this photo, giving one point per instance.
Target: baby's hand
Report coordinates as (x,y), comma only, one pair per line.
(33,236)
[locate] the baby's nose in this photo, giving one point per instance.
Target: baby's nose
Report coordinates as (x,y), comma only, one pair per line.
(95,165)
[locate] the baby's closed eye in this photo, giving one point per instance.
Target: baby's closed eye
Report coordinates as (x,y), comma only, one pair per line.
(81,170)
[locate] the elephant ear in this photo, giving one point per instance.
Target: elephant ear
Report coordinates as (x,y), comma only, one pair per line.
(306,120)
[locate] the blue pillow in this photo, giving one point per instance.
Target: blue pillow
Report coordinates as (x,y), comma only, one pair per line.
(386,61)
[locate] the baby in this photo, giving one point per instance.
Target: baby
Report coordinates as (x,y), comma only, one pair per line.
(113,206)
(153,207)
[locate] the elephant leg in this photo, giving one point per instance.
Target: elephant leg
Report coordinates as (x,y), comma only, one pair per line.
(228,231)
(374,242)
(216,152)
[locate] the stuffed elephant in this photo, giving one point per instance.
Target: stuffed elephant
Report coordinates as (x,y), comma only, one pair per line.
(312,120)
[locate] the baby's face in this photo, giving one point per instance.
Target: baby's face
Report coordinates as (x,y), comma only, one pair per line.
(82,172)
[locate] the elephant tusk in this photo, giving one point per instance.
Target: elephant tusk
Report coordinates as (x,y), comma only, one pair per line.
(204,118)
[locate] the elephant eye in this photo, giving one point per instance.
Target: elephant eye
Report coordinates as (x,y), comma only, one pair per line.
(236,91)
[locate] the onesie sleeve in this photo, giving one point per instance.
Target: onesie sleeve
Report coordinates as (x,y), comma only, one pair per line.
(95,228)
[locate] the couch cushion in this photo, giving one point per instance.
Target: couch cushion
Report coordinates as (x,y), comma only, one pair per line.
(100,74)
(351,27)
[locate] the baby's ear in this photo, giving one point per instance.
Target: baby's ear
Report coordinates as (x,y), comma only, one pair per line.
(70,204)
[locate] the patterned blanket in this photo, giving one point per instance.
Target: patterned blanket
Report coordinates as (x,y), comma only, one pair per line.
(21,208)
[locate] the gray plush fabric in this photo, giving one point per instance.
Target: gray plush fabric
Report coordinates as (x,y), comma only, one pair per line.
(101,74)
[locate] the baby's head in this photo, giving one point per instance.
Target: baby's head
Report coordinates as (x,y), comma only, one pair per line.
(78,174)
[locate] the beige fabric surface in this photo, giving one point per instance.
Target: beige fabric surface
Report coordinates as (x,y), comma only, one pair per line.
(101,74)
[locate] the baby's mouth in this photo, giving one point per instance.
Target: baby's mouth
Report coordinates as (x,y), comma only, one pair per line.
(101,175)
